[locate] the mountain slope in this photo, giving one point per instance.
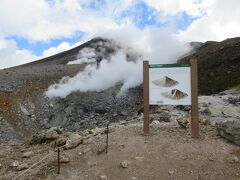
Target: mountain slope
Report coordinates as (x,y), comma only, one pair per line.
(219,65)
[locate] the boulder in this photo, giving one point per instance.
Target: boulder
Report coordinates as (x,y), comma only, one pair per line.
(73,141)
(44,136)
(230,130)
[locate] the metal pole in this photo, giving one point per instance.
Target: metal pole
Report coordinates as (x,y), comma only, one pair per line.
(194,91)
(145,97)
(58,161)
(107,140)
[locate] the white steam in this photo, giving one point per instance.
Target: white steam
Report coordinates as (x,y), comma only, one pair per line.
(86,55)
(154,45)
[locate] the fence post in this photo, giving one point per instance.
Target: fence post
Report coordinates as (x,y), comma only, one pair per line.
(107,139)
(145,97)
(58,160)
(194,92)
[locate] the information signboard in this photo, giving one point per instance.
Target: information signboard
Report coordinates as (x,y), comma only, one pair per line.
(169,84)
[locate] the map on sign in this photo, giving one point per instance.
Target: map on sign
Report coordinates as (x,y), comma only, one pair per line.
(169,84)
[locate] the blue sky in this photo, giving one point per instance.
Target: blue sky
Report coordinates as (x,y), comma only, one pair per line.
(33,29)
(38,47)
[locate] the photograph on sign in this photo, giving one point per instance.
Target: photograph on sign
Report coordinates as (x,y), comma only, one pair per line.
(169,85)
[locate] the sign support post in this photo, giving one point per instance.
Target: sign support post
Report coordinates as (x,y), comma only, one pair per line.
(194,92)
(145,97)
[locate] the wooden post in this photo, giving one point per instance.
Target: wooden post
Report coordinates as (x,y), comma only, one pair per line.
(194,91)
(145,97)
(107,139)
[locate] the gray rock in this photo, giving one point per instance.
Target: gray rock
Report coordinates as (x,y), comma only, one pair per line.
(44,136)
(73,141)
(233,159)
(22,166)
(230,130)
(124,113)
(171,172)
(24,110)
(103,177)
(15,164)
(60,141)
(155,122)
(125,164)
(28,154)
(64,158)
(164,117)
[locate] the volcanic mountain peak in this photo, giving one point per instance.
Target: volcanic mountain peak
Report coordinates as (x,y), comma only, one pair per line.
(175,94)
(165,82)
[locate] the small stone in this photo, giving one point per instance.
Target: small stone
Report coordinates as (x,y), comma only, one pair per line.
(155,122)
(171,172)
(123,122)
(64,158)
(60,141)
(139,158)
(92,164)
(233,159)
(22,166)
(86,150)
(95,131)
(210,159)
(123,113)
(15,164)
(122,145)
(101,149)
(205,121)
(28,154)
(125,164)
(102,177)
(133,178)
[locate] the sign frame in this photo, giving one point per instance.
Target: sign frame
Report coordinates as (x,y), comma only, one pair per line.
(194,94)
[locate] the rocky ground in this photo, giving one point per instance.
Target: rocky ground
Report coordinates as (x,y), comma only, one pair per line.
(168,152)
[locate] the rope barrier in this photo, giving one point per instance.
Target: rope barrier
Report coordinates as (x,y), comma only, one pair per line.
(35,164)
(39,162)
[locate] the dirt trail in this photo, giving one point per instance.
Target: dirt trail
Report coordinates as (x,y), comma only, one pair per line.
(167,153)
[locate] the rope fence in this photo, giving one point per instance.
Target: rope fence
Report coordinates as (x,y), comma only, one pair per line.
(36,164)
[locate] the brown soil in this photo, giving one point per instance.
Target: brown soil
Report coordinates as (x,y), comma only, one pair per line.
(167,153)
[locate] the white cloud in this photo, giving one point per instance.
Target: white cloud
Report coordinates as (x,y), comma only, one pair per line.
(41,21)
(220,22)
(11,55)
(173,7)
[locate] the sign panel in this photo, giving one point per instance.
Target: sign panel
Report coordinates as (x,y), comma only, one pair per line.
(169,84)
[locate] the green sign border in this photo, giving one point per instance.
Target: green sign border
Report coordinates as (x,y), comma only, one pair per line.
(168,65)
